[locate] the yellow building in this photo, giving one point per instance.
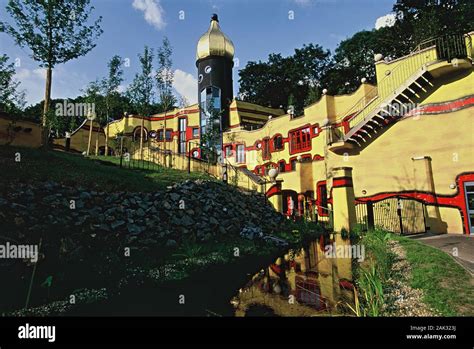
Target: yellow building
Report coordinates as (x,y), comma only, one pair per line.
(405,147)
(398,155)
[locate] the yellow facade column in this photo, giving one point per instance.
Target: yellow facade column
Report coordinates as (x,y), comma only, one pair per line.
(275,196)
(343,203)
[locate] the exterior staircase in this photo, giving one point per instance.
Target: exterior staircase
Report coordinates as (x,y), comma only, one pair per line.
(405,83)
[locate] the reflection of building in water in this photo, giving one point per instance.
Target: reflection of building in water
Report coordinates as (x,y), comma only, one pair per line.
(303,283)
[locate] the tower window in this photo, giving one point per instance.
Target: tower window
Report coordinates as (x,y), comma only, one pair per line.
(208,69)
(240,158)
(210,98)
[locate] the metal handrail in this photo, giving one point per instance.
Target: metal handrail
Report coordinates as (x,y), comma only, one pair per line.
(443,48)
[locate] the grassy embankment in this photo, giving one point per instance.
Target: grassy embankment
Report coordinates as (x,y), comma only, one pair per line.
(447,287)
(73,169)
(190,257)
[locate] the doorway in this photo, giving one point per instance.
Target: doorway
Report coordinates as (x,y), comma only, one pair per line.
(469,191)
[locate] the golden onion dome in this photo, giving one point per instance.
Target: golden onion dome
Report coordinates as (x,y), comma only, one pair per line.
(214,42)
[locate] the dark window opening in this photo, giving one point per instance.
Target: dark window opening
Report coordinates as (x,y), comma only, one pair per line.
(278,143)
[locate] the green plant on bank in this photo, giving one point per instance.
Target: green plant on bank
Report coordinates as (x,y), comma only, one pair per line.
(189,250)
(372,275)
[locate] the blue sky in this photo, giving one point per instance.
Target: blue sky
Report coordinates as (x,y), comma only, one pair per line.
(257,28)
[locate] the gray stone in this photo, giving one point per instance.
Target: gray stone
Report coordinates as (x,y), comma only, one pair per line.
(117,224)
(170,243)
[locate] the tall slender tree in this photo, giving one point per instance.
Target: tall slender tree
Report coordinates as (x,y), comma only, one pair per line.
(93,97)
(55,31)
(110,88)
(164,81)
(140,90)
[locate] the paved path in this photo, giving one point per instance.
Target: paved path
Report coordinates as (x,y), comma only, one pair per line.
(446,243)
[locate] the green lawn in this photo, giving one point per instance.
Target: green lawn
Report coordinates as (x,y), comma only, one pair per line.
(448,288)
(77,170)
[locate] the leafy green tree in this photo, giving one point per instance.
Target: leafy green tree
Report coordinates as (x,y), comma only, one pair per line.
(110,85)
(271,83)
(165,76)
(12,100)
(352,61)
(420,20)
(164,80)
(56,31)
(140,90)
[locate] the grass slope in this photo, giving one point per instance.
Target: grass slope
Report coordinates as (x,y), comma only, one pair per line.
(448,288)
(77,170)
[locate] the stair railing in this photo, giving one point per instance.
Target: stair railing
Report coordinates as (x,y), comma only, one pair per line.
(448,47)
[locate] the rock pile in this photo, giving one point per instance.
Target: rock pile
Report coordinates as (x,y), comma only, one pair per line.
(200,210)
(91,238)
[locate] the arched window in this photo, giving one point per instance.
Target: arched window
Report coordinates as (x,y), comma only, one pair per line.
(137,134)
(277,143)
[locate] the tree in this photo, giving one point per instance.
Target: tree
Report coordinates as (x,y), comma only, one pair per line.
(11,99)
(164,81)
(352,61)
(56,31)
(421,20)
(271,83)
(94,98)
(140,90)
(110,88)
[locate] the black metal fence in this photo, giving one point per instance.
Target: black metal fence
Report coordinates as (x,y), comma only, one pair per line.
(448,47)
(399,215)
(153,155)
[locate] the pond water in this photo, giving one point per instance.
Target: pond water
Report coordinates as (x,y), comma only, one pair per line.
(306,282)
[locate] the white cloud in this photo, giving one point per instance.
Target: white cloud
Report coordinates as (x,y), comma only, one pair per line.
(65,84)
(302,2)
(152,11)
(186,85)
(385,21)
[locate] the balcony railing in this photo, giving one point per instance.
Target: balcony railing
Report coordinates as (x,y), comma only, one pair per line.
(401,70)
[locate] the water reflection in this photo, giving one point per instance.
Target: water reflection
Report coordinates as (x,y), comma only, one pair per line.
(301,283)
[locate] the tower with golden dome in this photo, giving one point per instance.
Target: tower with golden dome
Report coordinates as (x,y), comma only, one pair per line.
(214,60)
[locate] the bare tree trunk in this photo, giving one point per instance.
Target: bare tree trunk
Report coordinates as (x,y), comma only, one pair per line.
(90,138)
(47,101)
(107,139)
(141,138)
(97,143)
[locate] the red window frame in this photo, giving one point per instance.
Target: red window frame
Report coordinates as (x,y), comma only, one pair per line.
(281,147)
(300,140)
(266,149)
(322,199)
